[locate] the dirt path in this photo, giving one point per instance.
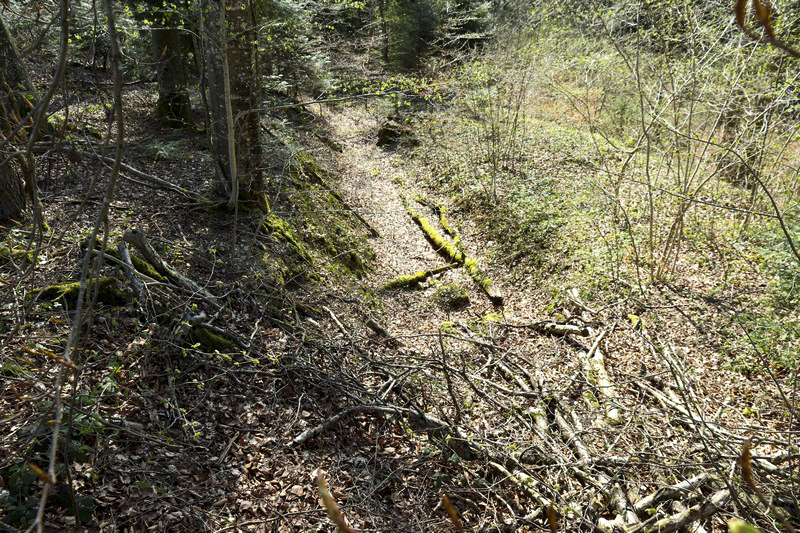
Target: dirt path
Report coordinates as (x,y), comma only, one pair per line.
(375,181)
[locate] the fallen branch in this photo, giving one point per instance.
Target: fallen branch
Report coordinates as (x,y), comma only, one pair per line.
(680,520)
(671,492)
(413,281)
(149,178)
(554,328)
(137,238)
(336,321)
(594,363)
(451,253)
(130,271)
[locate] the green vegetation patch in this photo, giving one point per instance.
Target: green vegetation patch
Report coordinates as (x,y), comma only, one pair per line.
(282,231)
(15,254)
(324,221)
(451,297)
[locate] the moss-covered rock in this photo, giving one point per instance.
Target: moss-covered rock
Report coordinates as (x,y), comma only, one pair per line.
(109,292)
(451,297)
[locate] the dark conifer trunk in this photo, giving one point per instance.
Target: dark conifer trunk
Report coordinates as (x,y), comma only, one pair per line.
(15,91)
(173,107)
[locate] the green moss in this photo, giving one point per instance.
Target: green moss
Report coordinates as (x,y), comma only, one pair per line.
(147,269)
(282,231)
(404,282)
(274,271)
(141,266)
(109,292)
(441,210)
(421,200)
(413,281)
(440,244)
(591,399)
(448,327)
(13,369)
(474,270)
(452,296)
(211,341)
(492,317)
(15,254)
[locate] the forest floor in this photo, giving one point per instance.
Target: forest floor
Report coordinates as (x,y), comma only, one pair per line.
(592,413)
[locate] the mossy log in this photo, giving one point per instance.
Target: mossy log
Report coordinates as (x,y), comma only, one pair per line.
(413,281)
(210,340)
(141,266)
(441,211)
(15,254)
(442,246)
(450,252)
(109,292)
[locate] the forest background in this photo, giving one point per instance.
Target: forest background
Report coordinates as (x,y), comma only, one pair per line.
(399,265)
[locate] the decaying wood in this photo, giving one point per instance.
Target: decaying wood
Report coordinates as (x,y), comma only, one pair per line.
(137,238)
(595,367)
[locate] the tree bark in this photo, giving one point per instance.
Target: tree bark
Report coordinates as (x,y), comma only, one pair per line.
(12,191)
(15,90)
(245,97)
(173,108)
(14,72)
(234,97)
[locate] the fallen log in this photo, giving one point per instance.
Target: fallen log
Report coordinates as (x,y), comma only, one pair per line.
(451,252)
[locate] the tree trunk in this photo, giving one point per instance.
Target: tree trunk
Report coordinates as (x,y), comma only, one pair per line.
(12,191)
(245,97)
(15,90)
(13,70)
(234,97)
(173,107)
